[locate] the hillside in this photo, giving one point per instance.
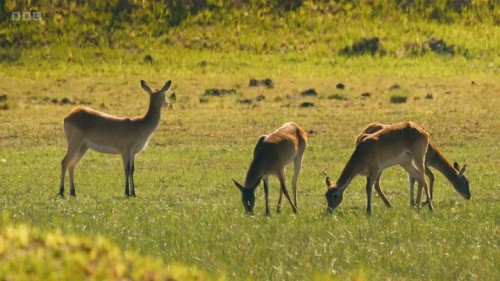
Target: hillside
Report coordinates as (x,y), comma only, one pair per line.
(315,28)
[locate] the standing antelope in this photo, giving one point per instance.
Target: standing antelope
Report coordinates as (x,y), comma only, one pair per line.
(403,143)
(87,128)
(272,153)
(433,158)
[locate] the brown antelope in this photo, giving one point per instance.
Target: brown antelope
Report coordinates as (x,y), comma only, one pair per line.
(87,128)
(272,153)
(433,158)
(402,144)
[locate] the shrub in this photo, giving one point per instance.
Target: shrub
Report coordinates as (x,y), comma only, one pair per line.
(27,254)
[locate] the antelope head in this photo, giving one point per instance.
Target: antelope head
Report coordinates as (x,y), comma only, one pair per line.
(334,195)
(463,181)
(158,96)
(247,197)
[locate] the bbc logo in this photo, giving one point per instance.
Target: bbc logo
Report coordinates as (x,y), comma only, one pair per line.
(26,16)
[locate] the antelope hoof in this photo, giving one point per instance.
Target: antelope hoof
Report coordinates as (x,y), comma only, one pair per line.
(431,208)
(72,193)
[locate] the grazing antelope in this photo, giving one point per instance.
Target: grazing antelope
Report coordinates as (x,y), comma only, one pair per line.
(87,128)
(433,158)
(402,144)
(272,153)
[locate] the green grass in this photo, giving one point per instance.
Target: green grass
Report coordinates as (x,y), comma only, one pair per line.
(188,211)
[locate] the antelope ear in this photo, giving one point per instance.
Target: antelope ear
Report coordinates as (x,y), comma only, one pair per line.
(456,166)
(239,186)
(166,87)
(328,182)
(464,168)
(145,87)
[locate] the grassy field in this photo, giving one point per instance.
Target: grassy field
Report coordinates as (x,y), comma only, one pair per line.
(187,211)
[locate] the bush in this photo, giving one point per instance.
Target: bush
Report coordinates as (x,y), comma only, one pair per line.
(26,254)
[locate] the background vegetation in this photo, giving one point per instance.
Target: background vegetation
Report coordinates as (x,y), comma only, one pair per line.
(312,28)
(441,57)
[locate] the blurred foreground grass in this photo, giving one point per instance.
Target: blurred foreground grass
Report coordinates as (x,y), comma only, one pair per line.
(28,254)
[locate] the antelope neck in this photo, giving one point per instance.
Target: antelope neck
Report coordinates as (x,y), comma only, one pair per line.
(254,174)
(153,115)
(440,163)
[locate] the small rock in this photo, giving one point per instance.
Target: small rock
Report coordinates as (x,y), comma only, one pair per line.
(364,46)
(398,99)
(245,101)
(394,87)
(268,83)
(66,101)
(306,105)
(3,97)
(309,93)
(254,83)
(438,46)
(148,59)
(366,95)
(340,86)
(219,92)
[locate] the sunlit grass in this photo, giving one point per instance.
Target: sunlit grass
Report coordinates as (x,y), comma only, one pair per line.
(187,210)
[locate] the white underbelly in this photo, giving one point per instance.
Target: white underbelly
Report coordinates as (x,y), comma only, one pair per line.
(112,148)
(403,157)
(104,148)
